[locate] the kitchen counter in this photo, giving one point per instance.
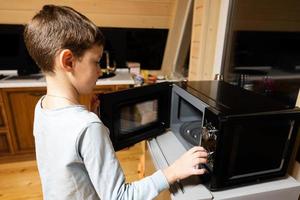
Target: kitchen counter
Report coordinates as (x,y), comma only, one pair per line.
(122,77)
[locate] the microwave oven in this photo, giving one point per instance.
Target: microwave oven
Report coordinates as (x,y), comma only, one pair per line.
(249,137)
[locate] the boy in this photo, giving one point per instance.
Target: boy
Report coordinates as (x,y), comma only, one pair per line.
(74,154)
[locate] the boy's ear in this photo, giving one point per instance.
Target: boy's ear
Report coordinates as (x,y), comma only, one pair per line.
(67,60)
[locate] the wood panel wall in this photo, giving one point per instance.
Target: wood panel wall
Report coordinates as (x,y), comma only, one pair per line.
(175,37)
(259,15)
(110,13)
(204,36)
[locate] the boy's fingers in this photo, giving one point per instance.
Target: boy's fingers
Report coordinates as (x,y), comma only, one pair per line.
(200,154)
(199,171)
(199,161)
(197,148)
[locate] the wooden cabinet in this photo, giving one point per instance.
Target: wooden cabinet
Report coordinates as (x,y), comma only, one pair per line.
(4,143)
(19,106)
(17,115)
(5,139)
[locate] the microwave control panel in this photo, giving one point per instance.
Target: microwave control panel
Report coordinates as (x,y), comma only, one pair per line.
(209,137)
(209,142)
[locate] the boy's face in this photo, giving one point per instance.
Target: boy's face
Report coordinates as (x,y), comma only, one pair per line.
(87,70)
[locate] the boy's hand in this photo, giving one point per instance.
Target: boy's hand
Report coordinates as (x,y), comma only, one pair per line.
(187,165)
(94,104)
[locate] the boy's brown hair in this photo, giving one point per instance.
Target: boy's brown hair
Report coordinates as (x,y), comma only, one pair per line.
(55,28)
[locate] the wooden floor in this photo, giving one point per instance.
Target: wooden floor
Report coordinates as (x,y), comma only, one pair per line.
(20,180)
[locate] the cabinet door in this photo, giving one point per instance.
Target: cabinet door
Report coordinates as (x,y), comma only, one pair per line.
(20,105)
(123,87)
(5,139)
(2,120)
(4,144)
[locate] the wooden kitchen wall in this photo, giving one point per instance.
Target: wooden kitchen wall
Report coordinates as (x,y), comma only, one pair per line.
(259,15)
(204,36)
(110,13)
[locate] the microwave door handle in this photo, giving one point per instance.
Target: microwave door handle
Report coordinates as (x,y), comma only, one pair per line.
(286,149)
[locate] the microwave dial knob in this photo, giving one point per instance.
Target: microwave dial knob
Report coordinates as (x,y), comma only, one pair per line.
(212,134)
(205,135)
(210,156)
(209,134)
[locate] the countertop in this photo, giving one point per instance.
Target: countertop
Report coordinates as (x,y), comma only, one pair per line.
(122,77)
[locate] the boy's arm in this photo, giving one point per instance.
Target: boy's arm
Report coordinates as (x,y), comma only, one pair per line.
(104,170)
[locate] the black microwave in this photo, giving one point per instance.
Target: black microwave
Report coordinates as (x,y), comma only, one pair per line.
(249,137)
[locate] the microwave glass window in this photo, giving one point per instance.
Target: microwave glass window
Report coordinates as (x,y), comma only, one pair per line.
(136,116)
(261,145)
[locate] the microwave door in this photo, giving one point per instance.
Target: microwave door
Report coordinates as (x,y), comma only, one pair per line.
(136,114)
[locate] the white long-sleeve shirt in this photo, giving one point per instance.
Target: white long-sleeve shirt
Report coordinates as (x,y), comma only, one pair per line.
(76,159)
